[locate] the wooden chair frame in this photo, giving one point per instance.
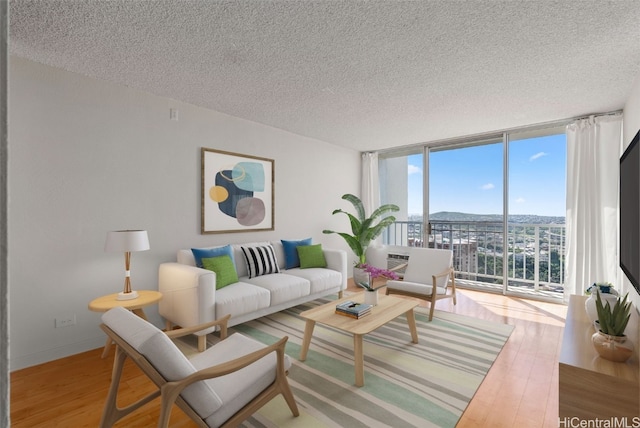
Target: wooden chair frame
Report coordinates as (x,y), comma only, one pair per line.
(170,391)
(433,297)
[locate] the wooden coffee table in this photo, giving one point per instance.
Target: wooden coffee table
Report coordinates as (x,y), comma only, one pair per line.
(388,308)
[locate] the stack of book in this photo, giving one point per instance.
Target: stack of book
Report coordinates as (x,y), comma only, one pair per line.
(353,309)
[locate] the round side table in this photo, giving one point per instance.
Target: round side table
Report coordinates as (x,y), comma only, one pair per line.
(104,303)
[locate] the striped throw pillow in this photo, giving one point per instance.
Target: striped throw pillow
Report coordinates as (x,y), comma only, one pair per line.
(261,260)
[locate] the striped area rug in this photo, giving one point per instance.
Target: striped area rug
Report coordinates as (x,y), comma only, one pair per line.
(428,384)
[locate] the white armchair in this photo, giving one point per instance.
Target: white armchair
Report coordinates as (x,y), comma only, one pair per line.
(429,276)
(219,387)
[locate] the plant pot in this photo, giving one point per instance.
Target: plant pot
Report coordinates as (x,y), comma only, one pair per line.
(361,277)
(612,348)
(371,297)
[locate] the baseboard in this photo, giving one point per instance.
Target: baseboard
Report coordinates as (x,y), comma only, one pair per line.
(34,359)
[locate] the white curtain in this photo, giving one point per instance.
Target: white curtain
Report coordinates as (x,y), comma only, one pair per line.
(370,182)
(376,253)
(593,151)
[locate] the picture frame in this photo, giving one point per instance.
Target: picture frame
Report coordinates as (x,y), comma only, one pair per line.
(237,192)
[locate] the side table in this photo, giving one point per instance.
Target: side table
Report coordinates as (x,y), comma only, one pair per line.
(104,303)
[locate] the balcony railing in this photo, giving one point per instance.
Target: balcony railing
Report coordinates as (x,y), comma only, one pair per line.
(533,254)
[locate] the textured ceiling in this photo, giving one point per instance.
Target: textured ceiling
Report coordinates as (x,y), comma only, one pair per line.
(360,74)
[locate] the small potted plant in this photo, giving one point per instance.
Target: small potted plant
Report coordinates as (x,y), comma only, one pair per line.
(609,340)
(607,293)
(367,278)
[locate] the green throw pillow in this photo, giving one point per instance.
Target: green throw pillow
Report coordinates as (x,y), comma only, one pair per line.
(311,256)
(224,268)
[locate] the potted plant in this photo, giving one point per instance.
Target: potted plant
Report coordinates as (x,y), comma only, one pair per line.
(364,229)
(373,273)
(609,340)
(366,277)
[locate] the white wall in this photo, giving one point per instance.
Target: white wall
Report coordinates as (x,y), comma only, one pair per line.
(632,114)
(631,125)
(88,156)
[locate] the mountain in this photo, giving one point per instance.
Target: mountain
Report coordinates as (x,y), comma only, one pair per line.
(516,218)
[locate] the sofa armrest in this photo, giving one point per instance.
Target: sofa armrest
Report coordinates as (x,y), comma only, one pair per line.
(337,260)
(188,295)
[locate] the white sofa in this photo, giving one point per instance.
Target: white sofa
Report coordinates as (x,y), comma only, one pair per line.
(190,297)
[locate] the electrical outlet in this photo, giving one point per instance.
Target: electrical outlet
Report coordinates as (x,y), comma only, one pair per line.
(65,321)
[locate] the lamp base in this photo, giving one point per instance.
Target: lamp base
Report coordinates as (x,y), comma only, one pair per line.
(127,296)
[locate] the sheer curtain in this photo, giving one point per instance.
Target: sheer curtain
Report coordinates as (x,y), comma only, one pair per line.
(376,253)
(593,150)
(370,183)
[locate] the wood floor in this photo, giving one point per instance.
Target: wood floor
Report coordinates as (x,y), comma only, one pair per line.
(520,390)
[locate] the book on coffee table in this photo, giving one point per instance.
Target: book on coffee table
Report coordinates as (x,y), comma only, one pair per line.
(353,309)
(354,316)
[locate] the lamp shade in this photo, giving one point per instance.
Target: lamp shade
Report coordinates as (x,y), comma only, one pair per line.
(127,240)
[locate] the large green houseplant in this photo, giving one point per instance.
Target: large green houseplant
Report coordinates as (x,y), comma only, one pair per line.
(364,229)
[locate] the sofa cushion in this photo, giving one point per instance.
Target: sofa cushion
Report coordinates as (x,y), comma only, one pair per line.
(241,298)
(282,287)
(260,259)
(320,279)
(311,256)
(223,267)
(291,258)
(200,253)
(241,264)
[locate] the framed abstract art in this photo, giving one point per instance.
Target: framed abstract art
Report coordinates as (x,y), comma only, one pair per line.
(237,192)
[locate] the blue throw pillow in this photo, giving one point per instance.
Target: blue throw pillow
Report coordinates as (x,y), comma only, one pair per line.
(291,258)
(205,253)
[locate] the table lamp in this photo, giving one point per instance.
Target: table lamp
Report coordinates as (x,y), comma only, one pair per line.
(127,241)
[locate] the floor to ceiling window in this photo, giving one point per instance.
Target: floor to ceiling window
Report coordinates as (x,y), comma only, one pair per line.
(498,203)
(466,187)
(537,207)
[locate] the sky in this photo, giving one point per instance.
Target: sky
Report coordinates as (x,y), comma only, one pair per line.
(469,180)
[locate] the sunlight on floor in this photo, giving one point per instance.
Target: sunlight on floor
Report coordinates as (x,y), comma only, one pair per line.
(519,308)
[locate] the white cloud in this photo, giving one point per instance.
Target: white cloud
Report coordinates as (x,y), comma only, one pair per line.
(488,186)
(520,200)
(538,156)
(414,170)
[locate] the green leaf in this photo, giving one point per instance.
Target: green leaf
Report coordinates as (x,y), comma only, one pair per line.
(357,204)
(613,321)
(364,230)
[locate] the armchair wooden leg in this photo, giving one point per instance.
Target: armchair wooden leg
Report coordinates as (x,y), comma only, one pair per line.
(283,385)
(202,343)
(291,401)
(112,413)
(431,309)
